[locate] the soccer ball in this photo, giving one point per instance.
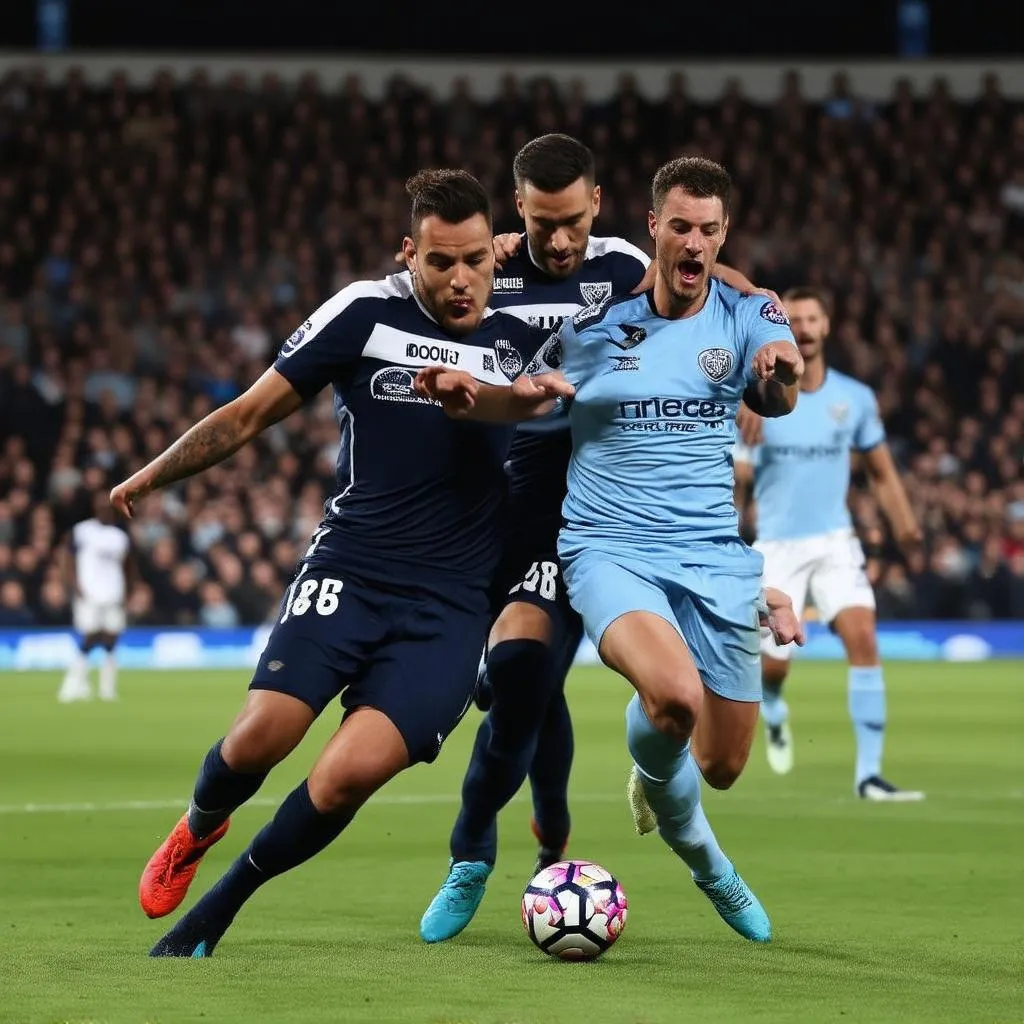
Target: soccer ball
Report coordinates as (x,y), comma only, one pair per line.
(574,910)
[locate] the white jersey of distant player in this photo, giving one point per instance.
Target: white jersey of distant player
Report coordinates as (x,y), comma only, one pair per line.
(801,480)
(100,555)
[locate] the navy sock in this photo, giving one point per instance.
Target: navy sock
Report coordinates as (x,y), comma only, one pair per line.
(549,775)
(521,676)
(219,790)
(297,832)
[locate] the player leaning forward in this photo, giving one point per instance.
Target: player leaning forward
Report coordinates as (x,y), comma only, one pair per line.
(668,592)
(390,606)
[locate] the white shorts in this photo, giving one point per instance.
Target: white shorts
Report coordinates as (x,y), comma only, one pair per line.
(830,567)
(94,617)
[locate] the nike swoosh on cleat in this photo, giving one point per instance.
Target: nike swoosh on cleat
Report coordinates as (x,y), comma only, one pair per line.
(200,951)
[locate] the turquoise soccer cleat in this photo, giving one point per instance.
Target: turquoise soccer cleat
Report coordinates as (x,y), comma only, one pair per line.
(738,907)
(456,901)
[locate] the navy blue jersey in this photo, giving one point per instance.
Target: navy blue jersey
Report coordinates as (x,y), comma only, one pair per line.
(541,448)
(419,496)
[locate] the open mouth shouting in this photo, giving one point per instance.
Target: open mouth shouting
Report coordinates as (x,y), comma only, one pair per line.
(690,271)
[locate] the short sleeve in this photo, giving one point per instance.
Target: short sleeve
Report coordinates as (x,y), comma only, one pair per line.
(870,431)
(762,321)
(328,343)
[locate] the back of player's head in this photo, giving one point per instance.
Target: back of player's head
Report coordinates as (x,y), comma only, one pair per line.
(695,175)
(810,292)
(553,162)
(451,195)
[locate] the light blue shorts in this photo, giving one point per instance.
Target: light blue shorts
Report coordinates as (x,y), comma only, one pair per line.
(713,609)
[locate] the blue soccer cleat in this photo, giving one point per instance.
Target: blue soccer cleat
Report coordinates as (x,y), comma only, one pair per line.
(738,907)
(456,902)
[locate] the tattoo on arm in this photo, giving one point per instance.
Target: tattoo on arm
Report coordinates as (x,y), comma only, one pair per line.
(210,441)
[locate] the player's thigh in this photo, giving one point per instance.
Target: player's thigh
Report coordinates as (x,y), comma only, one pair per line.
(325,631)
(113,620)
(85,616)
(631,623)
(423,677)
(717,613)
(366,752)
(845,599)
(533,590)
(787,568)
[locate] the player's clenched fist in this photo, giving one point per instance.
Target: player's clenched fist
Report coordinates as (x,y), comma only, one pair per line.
(454,390)
(779,361)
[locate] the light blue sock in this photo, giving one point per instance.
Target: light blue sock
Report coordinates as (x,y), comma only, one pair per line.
(672,784)
(866,695)
(774,710)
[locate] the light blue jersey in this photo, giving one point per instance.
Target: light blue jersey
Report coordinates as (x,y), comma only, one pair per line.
(649,519)
(653,419)
(802,467)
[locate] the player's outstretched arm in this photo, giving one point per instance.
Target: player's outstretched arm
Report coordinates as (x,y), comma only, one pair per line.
(212,439)
(778,367)
(463,397)
(892,496)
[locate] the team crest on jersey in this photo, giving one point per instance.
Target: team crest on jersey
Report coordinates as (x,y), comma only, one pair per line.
(715,364)
(595,292)
(394,384)
(839,412)
(775,314)
(296,339)
(510,361)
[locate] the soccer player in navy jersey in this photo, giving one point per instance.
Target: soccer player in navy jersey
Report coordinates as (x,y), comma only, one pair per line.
(390,605)
(553,270)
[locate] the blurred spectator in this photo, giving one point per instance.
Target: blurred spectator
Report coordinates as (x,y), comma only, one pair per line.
(155,249)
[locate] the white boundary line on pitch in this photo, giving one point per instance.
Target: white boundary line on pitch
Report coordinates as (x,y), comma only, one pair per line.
(398,800)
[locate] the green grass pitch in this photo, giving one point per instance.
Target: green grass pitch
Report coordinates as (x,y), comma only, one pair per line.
(881,912)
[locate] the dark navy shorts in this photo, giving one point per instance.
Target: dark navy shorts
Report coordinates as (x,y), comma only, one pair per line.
(530,571)
(411,654)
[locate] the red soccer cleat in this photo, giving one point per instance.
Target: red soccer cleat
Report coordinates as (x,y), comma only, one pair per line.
(171,869)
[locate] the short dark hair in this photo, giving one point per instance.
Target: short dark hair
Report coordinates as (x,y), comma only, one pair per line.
(809,291)
(553,162)
(452,195)
(696,175)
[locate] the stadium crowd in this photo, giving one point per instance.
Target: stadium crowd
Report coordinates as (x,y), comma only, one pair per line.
(157,244)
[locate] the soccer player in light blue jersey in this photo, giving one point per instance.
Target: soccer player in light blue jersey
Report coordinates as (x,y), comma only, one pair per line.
(800,470)
(650,548)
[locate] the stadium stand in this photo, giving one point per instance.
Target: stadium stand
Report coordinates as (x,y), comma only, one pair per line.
(156,244)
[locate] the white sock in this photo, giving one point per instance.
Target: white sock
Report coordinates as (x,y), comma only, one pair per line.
(75,685)
(108,676)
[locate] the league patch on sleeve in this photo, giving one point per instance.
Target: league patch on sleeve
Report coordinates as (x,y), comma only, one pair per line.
(548,358)
(775,314)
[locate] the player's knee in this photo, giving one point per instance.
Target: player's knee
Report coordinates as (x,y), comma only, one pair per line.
(521,621)
(860,639)
(257,742)
(721,771)
(673,711)
(331,794)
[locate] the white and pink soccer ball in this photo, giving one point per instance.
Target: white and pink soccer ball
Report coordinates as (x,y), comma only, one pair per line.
(574,910)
